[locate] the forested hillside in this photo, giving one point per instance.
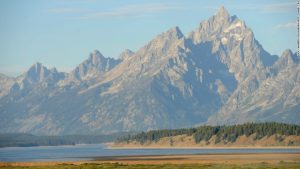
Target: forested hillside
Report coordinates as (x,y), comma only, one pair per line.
(227,134)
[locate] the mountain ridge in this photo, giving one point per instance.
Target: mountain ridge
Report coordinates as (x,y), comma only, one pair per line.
(215,75)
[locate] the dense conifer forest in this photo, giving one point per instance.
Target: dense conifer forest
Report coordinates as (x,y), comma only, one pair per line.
(225,133)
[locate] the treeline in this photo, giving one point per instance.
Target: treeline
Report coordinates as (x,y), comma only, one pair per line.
(225,133)
(28,140)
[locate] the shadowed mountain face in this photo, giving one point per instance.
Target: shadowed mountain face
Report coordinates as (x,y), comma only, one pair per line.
(274,98)
(218,74)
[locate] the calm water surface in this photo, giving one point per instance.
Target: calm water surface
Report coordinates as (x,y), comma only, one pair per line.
(87,152)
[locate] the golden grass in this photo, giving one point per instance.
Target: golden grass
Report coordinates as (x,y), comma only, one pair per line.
(270,158)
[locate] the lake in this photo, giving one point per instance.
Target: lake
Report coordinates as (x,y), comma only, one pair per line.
(89,151)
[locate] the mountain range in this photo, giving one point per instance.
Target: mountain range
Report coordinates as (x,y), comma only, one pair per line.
(217,74)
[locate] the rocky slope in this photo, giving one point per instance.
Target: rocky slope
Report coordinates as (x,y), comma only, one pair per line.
(275,98)
(218,74)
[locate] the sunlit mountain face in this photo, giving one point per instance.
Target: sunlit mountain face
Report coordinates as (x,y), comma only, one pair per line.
(217,74)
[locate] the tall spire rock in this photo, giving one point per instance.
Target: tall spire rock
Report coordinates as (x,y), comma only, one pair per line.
(222,13)
(96,57)
(37,72)
(215,25)
(288,56)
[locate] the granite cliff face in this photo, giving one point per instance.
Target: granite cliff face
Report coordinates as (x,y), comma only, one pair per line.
(218,74)
(274,98)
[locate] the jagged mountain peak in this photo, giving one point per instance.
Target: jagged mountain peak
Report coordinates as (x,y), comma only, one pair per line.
(96,57)
(287,53)
(175,32)
(164,44)
(215,25)
(36,71)
(96,52)
(171,82)
(96,64)
(287,58)
(234,43)
(36,68)
(222,13)
(127,53)
(171,34)
(37,64)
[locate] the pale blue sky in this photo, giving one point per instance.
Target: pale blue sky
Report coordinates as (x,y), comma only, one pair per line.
(62,33)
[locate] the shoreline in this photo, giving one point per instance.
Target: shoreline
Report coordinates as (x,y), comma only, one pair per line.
(202,148)
(112,146)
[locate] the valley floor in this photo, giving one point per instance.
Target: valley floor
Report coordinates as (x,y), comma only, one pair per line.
(209,161)
(162,166)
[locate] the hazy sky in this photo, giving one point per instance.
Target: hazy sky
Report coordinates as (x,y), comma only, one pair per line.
(62,33)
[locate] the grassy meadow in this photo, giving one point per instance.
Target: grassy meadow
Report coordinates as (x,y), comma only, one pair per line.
(279,165)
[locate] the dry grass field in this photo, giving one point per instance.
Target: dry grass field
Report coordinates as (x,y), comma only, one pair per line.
(213,161)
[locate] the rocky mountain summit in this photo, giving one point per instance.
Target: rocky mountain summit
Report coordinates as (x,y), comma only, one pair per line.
(217,74)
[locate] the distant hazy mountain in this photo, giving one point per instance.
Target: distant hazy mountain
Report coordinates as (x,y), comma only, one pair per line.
(218,74)
(96,64)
